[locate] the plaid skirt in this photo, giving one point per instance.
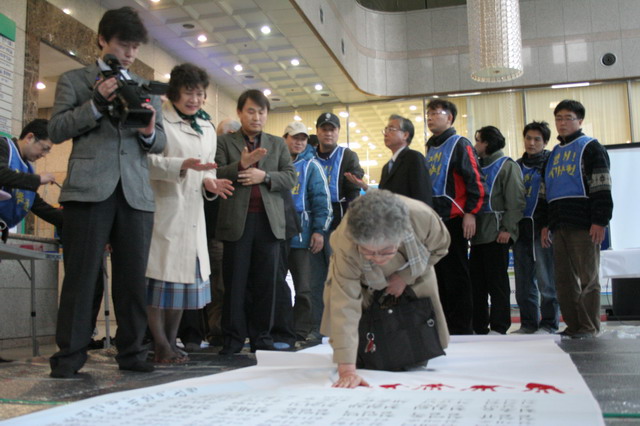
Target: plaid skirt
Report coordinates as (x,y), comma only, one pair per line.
(168,295)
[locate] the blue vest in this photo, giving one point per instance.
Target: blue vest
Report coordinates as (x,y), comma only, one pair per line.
(12,211)
(563,176)
(490,173)
(331,168)
(300,189)
(531,177)
(439,158)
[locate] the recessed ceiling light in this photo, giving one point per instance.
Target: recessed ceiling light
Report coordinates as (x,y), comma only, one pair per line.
(202,38)
(295,62)
(435,96)
(358,131)
(72,53)
(67,10)
(353,124)
(318,86)
(419,118)
(413,107)
(365,138)
(266,92)
(297,118)
(167,75)
(238,67)
(40,85)
(155,1)
(343,114)
(266,29)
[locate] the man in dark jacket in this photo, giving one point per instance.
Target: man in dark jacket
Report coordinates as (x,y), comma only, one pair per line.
(577,187)
(336,162)
(458,195)
(533,264)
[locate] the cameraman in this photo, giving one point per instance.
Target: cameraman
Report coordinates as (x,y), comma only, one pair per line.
(106,198)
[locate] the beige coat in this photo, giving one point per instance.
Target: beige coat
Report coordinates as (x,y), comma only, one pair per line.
(344,293)
(179,234)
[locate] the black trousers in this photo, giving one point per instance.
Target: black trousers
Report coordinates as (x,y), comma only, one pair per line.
(87,229)
(249,270)
(283,330)
(488,264)
(454,283)
(319,264)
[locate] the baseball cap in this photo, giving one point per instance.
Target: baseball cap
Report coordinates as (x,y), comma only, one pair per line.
(295,128)
(327,117)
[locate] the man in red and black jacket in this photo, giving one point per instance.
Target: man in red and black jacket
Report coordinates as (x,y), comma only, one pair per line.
(458,195)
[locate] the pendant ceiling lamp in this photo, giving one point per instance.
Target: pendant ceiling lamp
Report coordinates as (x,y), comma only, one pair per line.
(495,44)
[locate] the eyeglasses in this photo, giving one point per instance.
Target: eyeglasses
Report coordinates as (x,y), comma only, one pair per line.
(389,130)
(566,118)
(436,113)
(387,252)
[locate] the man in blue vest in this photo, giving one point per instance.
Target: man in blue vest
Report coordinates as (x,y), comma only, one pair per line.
(533,265)
(18,178)
(336,161)
(578,208)
(458,194)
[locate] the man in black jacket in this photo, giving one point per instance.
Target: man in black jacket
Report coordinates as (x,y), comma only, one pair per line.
(406,172)
(577,189)
(337,162)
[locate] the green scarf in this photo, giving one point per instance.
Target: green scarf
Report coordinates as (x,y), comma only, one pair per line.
(201,114)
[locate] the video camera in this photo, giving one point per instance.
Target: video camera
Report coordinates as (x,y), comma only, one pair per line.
(127,105)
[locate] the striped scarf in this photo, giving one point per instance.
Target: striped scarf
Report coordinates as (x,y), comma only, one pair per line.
(417,260)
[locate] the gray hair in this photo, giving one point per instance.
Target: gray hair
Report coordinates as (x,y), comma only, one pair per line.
(378,218)
(228,125)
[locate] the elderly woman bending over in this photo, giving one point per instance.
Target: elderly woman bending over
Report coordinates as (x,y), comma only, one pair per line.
(386,241)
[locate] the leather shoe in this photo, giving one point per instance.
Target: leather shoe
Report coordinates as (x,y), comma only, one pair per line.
(139,366)
(62,372)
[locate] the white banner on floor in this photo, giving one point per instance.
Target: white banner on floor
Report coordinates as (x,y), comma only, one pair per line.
(483,380)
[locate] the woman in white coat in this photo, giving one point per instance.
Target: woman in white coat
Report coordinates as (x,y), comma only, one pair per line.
(181,177)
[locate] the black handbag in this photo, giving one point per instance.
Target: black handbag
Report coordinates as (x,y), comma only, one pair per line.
(397,334)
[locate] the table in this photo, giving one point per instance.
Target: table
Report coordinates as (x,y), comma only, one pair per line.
(11,252)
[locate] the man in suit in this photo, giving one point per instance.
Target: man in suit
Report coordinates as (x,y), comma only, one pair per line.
(106,198)
(251,224)
(406,172)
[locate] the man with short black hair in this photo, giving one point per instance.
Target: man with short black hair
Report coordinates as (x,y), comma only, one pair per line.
(577,186)
(533,264)
(18,178)
(337,162)
(251,224)
(106,197)
(458,195)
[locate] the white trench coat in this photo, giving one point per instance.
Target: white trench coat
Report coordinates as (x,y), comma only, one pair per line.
(179,234)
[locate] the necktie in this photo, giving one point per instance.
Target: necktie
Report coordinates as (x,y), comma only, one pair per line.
(390,165)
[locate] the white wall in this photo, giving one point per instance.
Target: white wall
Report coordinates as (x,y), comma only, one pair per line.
(426,51)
